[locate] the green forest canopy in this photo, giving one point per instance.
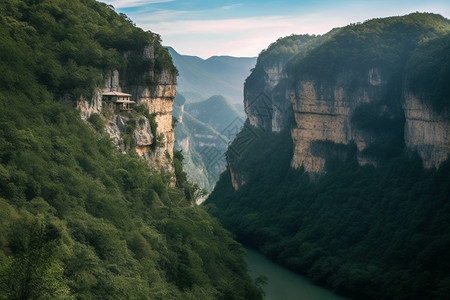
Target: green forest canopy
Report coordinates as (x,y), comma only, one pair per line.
(363,231)
(78,219)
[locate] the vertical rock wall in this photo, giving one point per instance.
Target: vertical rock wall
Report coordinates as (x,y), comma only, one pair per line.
(426,131)
(158,98)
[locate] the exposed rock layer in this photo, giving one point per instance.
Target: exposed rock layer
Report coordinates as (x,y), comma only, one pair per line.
(323,113)
(158,98)
(426,131)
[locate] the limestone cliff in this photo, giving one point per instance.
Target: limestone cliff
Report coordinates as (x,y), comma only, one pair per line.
(323,113)
(426,131)
(344,93)
(158,97)
(264,104)
(266,98)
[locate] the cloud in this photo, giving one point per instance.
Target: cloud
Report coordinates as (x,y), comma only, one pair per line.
(135,3)
(239,37)
(244,29)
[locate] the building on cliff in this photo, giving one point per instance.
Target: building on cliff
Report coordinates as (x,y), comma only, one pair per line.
(119,101)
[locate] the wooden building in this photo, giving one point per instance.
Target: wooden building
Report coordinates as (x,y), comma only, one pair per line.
(119,101)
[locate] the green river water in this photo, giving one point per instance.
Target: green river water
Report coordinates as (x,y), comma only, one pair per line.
(283,284)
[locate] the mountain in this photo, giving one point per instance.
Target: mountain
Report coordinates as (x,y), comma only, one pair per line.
(215,111)
(341,171)
(94,203)
(203,132)
(200,79)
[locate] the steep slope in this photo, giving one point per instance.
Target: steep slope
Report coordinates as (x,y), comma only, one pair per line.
(218,75)
(336,94)
(352,188)
(79,219)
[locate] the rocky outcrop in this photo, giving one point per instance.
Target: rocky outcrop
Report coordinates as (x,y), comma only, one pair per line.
(265,103)
(237,179)
(115,128)
(158,97)
(95,105)
(142,137)
(323,113)
(426,131)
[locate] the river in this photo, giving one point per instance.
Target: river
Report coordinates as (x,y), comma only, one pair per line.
(283,284)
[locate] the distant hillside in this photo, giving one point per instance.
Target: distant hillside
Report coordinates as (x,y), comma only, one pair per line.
(215,111)
(200,79)
(203,132)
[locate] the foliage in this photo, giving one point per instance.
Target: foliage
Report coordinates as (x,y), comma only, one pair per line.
(97,122)
(279,53)
(431,79)
(365,232)
(72,43)
(384,43)
(78,219)
(116,237)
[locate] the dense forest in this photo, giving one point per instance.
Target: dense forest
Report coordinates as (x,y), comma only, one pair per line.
(78,219)
(364,231)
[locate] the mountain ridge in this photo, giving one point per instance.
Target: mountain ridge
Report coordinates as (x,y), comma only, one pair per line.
(218,75)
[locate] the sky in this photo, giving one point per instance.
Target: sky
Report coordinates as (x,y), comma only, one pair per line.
(241,28)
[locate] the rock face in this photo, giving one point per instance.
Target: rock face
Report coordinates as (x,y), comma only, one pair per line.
(323,117)
(86,108)
(264,101)
(349,93)
(158,97)
(323,114)
(237,179)
(160,102)
(426,131)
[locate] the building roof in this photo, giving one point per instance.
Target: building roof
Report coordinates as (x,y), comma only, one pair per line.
(124,101)
(119,94)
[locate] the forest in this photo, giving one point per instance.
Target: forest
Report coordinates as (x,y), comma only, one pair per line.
(78,219)
(373,231)
(364,232)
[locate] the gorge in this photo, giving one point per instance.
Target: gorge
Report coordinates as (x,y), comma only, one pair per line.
(340,172)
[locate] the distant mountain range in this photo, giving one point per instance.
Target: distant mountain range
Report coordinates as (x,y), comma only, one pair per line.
(203,132)
(200,79)
(210,112)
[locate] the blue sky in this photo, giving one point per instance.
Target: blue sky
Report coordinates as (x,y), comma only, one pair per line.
(244,28)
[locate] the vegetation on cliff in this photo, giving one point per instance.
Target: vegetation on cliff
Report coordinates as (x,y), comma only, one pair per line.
(431,80)
(78,219)
(366,232)
(384,43)
(280,52)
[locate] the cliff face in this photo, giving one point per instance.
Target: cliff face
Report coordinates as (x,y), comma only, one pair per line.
(265,104)
(348,91)
(160,102)
(323,114)
(157,97)
(426,131)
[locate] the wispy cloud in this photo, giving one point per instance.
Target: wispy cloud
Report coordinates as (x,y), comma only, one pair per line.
(205,27)
(239,37)
(135,3)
